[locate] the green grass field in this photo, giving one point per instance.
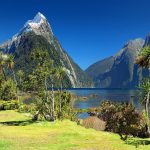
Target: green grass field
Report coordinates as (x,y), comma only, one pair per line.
(17,132)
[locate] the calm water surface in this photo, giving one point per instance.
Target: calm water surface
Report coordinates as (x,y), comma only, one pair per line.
(95,96)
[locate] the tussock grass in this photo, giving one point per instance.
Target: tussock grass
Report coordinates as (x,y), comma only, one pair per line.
(95,123)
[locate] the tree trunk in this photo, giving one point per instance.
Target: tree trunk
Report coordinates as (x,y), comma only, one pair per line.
(60,100)
(124,138)
(14,77)
(53,99)
(15,82)
(147,111)
(4,73)
(35,117)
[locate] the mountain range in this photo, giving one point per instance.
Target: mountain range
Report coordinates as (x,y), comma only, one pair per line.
(120,70)
(37,33)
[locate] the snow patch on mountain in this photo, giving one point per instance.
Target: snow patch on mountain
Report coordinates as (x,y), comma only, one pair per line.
(36,22)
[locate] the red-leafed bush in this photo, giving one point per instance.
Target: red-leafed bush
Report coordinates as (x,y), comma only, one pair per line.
(123,119)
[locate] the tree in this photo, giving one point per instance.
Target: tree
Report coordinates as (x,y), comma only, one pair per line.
(127,122)
(10,64)
(60,73)
(41,77)
(20,75)
(53,71)
(8,90)
(121,118)
(144,98)
(2,63)
(7,86)
(37,82)
(143,60)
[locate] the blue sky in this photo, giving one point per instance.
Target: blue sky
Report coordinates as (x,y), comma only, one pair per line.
(89,30)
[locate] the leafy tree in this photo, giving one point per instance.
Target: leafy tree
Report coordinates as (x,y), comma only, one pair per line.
(143,60)
(47,102)
(52,75)
(8,90)
(145,98)
(60,73)
(37,82)
(2,63)
(122,119)
(10,64)
(20,75)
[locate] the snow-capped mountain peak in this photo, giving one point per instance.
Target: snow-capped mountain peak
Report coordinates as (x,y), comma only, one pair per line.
(36,22)
(39,25)
(39,16)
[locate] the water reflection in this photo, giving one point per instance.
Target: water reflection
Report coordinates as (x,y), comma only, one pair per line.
(96,96)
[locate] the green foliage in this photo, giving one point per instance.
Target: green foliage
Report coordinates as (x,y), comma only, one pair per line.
(49,105)
(145,100)
(8,86)
(66,108)
(145,51)
(44,105)
(143,58)
(9,105)
(144,87)
(20,75)
(8,90)
(23,108)
(35,81)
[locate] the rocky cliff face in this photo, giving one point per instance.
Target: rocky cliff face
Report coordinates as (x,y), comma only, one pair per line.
(120,70)
(37,33)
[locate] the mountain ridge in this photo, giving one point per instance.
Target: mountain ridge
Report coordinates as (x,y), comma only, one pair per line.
(119,70)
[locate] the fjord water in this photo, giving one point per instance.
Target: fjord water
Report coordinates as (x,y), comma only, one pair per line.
(93,97)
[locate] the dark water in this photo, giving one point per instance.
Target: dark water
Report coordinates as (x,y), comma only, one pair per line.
(93,97)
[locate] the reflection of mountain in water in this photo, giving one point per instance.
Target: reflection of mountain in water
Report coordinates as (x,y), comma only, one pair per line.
(101,95)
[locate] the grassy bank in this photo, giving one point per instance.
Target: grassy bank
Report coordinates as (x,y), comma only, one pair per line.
(18,132)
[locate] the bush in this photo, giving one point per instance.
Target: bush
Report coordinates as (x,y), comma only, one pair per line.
(122,119)
(9,105)
(107,110)
(27,108)
(8,90)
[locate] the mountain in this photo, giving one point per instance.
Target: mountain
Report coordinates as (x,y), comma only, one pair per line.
(120,70)
(37,33)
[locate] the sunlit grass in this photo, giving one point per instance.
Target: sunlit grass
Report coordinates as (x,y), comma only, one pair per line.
(11,115)
(61,135)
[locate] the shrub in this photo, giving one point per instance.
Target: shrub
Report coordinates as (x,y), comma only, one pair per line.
(9,105)
(8,90)
(123,119)
(107,110)
(27,108)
